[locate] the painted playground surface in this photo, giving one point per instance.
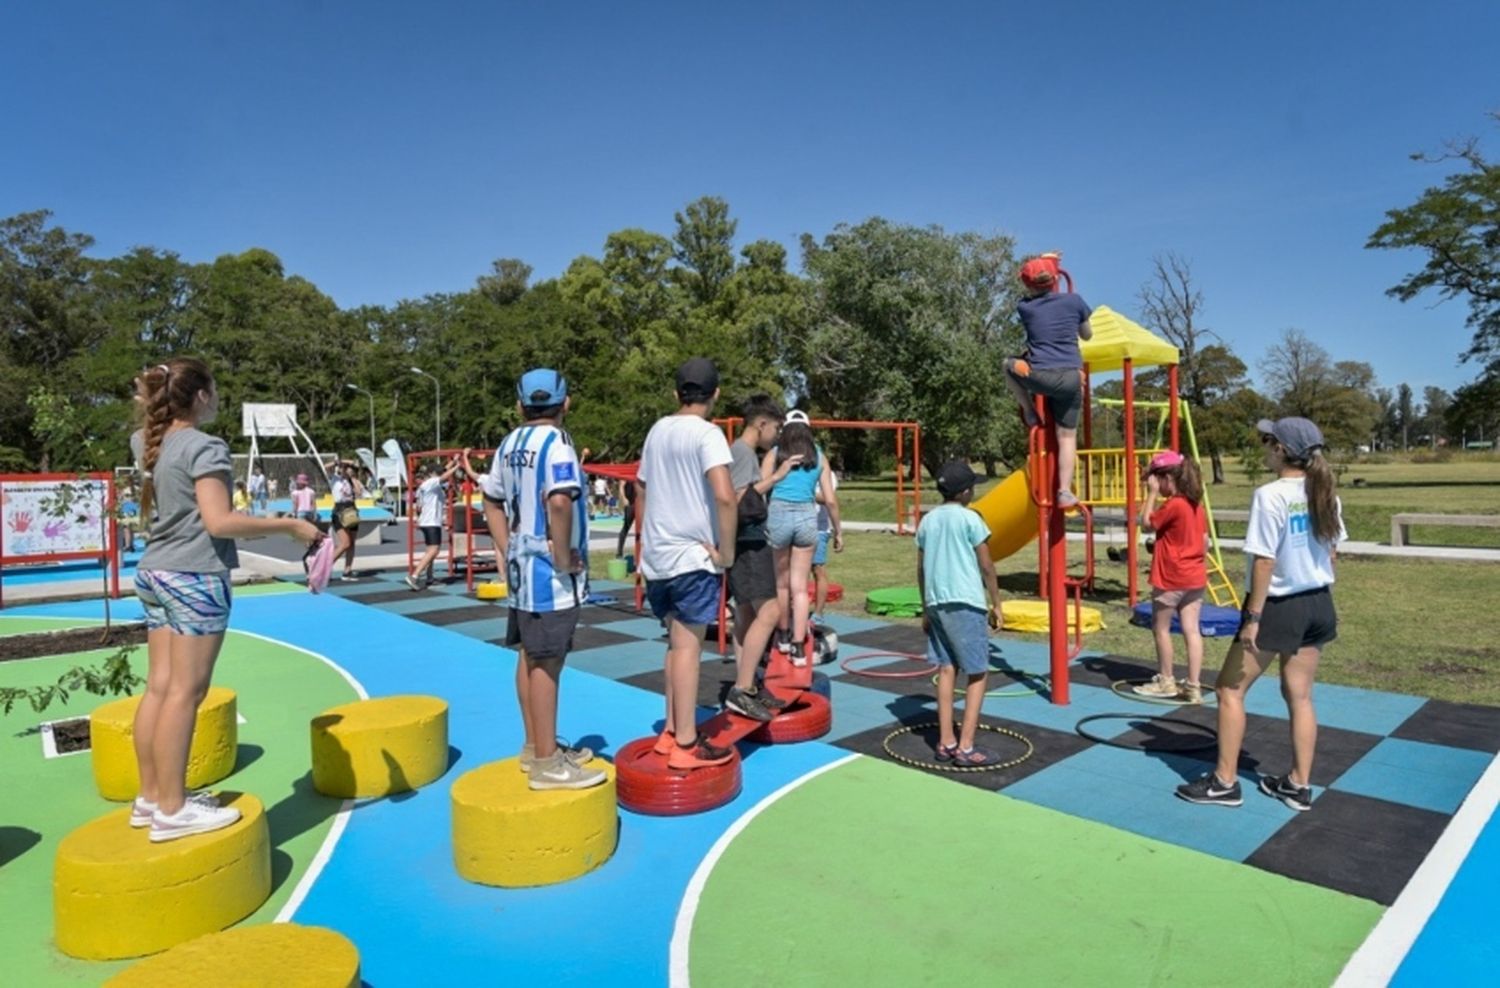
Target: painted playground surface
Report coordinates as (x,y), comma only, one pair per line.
(835,864)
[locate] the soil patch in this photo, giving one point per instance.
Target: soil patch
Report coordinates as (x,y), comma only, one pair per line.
(72,640)
(71,735)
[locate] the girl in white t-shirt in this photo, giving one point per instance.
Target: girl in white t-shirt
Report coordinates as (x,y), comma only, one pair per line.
(1294,530)
(429,499)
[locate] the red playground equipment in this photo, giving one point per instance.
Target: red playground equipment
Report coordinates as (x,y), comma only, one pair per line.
(463,519)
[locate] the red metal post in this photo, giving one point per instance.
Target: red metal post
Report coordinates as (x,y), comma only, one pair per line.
(112,537)
(1056,537)
(468,491)
(1172,409)
(1131,529)
(411,532)
(916,460)
(900,487)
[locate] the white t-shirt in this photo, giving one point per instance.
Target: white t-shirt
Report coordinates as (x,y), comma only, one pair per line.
(430,497)
(1281,529)
(533,463)
(601,489)
(681,514)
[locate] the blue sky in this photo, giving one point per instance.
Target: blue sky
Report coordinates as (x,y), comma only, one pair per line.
(388,150)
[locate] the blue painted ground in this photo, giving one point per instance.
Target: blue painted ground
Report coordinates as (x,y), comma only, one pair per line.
(1458,946)
(390,884)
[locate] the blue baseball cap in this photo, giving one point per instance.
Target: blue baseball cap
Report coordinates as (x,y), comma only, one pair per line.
(541,387)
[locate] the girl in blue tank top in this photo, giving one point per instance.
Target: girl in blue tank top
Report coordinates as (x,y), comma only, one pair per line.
(792,525)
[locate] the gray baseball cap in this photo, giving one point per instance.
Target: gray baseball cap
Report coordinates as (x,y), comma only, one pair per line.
(1298,436)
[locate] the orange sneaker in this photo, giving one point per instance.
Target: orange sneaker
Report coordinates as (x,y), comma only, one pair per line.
(665,743)
(700,755)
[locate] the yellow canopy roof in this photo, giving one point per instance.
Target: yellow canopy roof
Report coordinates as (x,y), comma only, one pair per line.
(1117,338)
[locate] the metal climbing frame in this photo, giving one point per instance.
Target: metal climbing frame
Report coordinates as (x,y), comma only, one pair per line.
(459,505)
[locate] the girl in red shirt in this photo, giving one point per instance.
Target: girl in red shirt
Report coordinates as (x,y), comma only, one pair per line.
(1179,571)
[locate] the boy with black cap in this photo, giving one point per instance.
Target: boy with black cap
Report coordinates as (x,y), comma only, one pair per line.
(538,518)
(688,519)
(960,605)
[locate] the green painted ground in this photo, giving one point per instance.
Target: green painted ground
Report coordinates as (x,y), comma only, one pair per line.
(280,690)
(1029,896)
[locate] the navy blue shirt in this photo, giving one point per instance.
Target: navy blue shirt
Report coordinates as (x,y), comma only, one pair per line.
(1051,323)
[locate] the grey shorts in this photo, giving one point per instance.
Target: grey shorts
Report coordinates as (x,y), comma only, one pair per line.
(792,524)
(543,634)
(1062,387)
(1175,599)
(959,635)
(752,578)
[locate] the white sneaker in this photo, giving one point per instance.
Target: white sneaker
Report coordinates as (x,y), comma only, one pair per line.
(142,809)
(1158,685)
(561,772)
(578,756)
(411,582)
(193,818)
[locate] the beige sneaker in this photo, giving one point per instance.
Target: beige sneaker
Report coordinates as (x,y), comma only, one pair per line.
(1191,693)
(578,756)
(1162,686)
(561,772)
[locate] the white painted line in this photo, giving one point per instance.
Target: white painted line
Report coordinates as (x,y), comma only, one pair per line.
(682,930)
(1376,960)
(239,718)
(354,684)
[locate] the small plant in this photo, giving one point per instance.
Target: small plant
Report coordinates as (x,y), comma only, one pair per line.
(112,677)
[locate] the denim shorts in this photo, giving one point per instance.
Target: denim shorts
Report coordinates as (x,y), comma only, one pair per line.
(189,603)
(792,524)
(959,635)
(691,598)
(820,554)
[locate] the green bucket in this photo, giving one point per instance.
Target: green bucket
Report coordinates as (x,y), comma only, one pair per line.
(618,570)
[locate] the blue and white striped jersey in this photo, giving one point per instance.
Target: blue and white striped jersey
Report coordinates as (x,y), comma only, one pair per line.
(532,463)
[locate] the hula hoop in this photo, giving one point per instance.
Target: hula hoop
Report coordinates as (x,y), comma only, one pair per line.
(1210,742)
(1009,693)
(957,769)
(1131,694)
(928,666)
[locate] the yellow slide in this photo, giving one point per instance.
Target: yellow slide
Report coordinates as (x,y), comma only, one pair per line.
(1010,514)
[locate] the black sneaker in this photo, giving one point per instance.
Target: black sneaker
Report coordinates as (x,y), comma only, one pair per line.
(769,700)
(746,705)
(1210,792)
(1281,787)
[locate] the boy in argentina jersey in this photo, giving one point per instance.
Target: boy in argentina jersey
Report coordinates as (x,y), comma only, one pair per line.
(535,503)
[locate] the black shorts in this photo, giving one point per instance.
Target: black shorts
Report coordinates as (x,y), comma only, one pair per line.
(752,578)
(543,634)
(1062,387)
(1298,620)
(432,535)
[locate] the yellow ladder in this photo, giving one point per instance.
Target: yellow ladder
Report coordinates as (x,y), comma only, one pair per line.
(1221,589)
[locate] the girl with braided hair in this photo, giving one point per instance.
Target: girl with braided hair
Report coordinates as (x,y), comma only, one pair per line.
(182,582)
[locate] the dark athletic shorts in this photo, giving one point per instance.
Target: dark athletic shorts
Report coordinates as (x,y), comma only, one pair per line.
(432,535)
(1296,621)
(691,598)
(543,634)
(752,578)
(1062,387)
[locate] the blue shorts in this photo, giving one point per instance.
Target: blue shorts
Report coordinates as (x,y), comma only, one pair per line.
(792,524)
(691,598)
(820,554)
(959,635)
(188,603)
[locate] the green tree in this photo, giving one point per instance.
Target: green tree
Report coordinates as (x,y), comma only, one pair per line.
(1303,380)
(704,246)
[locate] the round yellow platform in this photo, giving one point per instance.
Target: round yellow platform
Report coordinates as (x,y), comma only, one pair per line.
(116,894)
(1031,615)
(506,834)
(216,739)
(283,954)
(378,747)
(492,590)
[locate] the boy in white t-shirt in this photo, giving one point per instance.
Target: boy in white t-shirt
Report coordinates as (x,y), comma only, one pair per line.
(430,497)
(689,515)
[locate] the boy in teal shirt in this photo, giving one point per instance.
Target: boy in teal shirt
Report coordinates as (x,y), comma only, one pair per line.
(960,605)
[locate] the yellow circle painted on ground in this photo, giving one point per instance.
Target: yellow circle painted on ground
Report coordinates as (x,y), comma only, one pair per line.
(115,894)
(381,746)
(216,735)
(504,833)
(286,955)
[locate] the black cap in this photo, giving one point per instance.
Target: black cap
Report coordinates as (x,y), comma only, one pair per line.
(955,477)
(698,379)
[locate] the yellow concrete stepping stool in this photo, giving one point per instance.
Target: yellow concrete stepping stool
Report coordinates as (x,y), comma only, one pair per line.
(378,747)
(116,894)
(216,739)
(506,834)
(283,954)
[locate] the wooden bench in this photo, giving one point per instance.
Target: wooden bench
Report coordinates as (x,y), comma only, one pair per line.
(1401,523)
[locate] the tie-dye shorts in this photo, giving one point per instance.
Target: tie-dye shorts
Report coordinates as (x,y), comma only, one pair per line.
(188,603)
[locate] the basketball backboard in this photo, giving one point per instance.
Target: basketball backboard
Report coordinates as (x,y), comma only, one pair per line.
(260,419)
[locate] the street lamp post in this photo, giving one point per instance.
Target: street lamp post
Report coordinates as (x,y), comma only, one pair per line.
(437,404)
(374,453)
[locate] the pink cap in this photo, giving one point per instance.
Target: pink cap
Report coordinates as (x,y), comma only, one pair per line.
(1164,460)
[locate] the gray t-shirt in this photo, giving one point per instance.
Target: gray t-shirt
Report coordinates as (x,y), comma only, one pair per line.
(179,542)
(744,470)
